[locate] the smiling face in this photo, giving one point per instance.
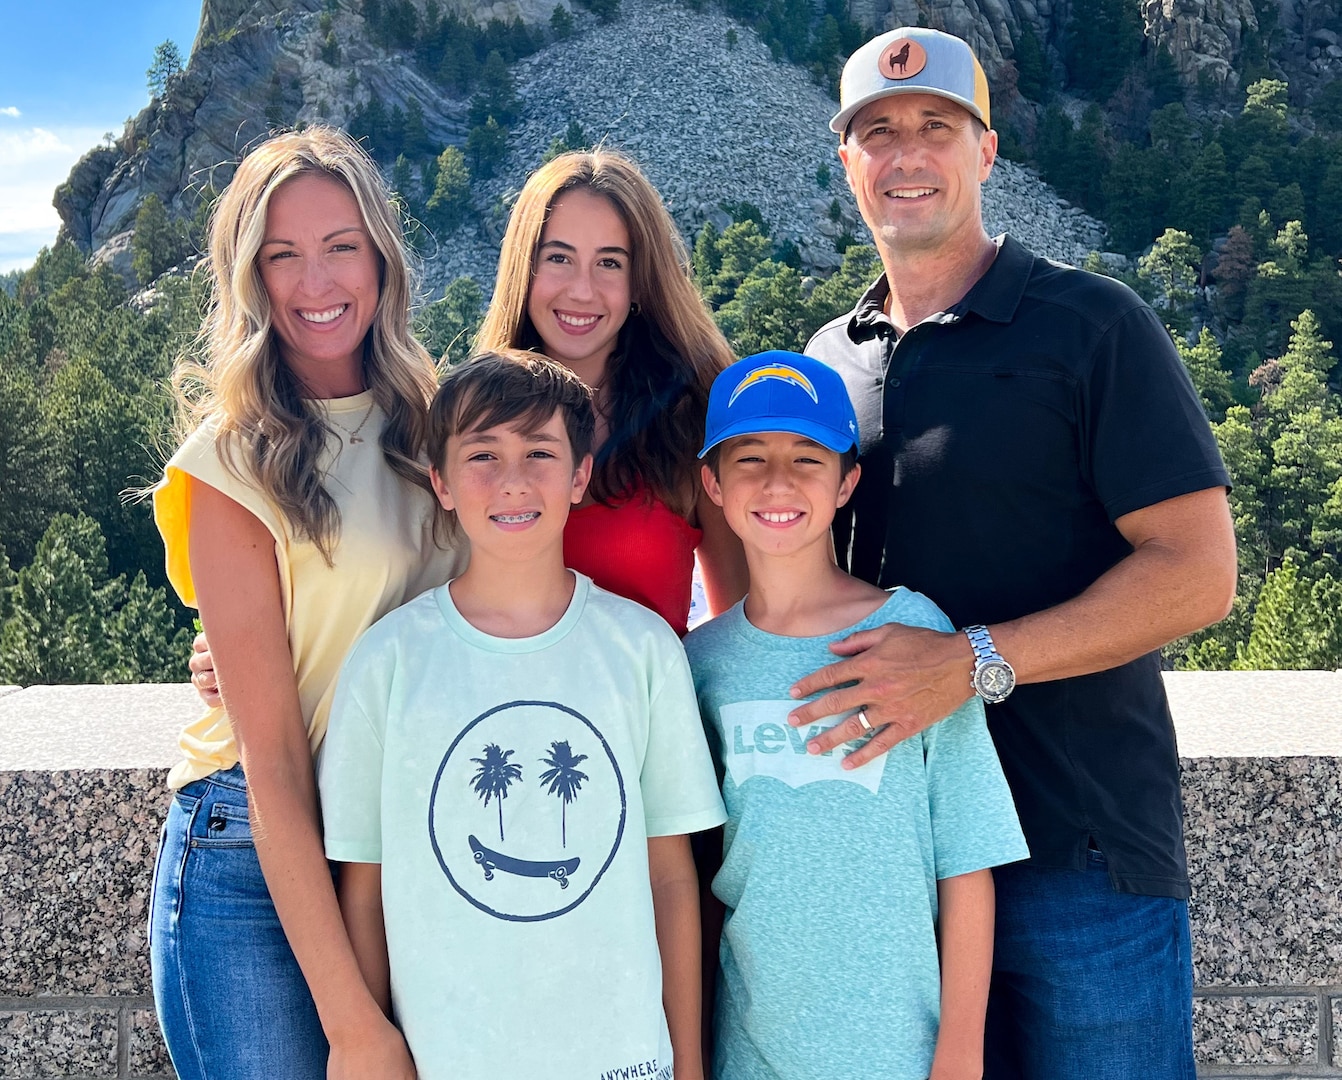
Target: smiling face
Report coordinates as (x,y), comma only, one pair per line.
(581,283)
(779,491)
(915,163)
(320,270)
(511,487)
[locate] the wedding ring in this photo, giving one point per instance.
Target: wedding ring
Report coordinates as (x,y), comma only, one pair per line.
(867,727)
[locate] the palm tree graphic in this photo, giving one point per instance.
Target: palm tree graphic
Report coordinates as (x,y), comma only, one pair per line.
(494,777)
(564,779)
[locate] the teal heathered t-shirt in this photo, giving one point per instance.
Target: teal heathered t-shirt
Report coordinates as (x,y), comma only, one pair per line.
(829,962)
(508,787)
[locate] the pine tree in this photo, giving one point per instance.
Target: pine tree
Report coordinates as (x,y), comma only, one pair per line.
(561,23)
(1203,361)
(167,62)
(450,201)
(60,605)
(156,244)
(1172,266)
(1290,631)
(70,621)
(486,145)
(766,311)
(447,327)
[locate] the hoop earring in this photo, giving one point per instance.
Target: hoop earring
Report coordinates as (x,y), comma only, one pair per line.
(634,309)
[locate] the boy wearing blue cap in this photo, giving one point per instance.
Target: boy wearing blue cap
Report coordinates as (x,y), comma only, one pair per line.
(858,935)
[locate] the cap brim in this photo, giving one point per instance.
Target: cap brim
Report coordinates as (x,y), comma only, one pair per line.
(819,433)
(843,118)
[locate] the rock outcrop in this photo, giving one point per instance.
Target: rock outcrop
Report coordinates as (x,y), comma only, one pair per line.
(712,124)
(710,114)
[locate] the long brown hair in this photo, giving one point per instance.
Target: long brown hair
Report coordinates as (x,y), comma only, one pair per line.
(240,381)
(668,351)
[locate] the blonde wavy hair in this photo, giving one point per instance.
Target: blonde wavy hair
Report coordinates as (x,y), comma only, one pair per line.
(266,432)
(667,353)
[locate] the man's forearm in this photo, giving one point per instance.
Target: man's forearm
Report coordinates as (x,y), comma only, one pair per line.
(1179,578)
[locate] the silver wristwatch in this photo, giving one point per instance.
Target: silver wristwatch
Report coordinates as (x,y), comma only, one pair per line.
(993,678)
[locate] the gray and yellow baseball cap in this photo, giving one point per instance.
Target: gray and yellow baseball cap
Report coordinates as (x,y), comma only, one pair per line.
(912,60)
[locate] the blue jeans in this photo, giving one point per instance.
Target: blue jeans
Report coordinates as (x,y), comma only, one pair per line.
(1088,983)
(231,999)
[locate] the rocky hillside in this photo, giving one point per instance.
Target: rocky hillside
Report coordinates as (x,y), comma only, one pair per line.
(712,124)
(695,97)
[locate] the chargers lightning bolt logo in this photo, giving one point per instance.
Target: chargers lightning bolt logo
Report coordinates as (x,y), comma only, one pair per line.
(782,373)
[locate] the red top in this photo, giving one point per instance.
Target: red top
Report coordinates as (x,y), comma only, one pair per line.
(640,549)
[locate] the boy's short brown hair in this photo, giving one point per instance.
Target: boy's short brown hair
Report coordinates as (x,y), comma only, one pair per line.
(510,387)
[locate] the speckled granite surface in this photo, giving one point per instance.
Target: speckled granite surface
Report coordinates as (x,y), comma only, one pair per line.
(1264,843)
(58,1043)
(1256,1031)
(76,856)
(147,1055)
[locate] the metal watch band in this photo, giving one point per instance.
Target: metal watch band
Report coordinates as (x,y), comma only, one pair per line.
(982,643)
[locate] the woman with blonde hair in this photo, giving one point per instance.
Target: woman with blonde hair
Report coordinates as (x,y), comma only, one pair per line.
(594,274)
(295,513)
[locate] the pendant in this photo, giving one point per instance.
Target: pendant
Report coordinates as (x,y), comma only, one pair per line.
(355,439)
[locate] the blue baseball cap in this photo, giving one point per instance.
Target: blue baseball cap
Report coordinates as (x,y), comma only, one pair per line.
(781,391)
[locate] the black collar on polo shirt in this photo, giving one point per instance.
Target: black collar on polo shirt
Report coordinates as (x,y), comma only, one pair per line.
(995,296)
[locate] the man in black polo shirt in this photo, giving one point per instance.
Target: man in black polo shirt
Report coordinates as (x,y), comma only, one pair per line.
(1036,460)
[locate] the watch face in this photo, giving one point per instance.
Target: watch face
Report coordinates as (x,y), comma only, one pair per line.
(994,680)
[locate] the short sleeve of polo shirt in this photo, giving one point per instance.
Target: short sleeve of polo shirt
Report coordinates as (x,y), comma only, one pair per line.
(1145,436)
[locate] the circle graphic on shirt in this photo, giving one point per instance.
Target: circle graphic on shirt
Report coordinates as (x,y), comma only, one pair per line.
(527,810)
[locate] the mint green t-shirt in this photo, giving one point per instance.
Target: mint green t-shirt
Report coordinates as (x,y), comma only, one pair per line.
(508,788)
(829,964)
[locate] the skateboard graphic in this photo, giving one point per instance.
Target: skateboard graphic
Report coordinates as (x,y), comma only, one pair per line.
(490,860)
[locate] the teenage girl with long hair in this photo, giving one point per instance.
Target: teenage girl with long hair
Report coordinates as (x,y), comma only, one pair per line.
(593,274)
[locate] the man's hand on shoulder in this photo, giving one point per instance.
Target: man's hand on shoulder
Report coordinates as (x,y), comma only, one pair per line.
(905,678)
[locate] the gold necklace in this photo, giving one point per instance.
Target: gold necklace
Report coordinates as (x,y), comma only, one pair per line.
(354,436)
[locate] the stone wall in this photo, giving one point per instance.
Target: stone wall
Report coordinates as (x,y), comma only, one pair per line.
(81,795)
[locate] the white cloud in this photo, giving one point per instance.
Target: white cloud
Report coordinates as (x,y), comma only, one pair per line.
(33,161)
(10,110)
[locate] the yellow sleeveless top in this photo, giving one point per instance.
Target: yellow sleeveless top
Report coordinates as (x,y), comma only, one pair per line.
(384,556)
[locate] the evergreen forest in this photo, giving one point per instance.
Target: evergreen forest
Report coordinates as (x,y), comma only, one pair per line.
(1225,205)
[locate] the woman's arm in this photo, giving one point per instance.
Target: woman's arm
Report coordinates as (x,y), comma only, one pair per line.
(675,903)
(965,925)
(722,562)
(238,588)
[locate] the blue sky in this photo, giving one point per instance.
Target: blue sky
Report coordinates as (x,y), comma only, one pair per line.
(70,70)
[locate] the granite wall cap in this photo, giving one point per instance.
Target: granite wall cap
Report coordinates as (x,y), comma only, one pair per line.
(1256,714)
(128,726)
(1217,714)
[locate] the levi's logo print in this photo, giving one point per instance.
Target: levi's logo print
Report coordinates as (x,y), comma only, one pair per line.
(527,810)
(758,741)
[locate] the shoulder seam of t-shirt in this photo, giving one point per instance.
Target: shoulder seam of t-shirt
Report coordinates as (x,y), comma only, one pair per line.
(354,701)
(663,676)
